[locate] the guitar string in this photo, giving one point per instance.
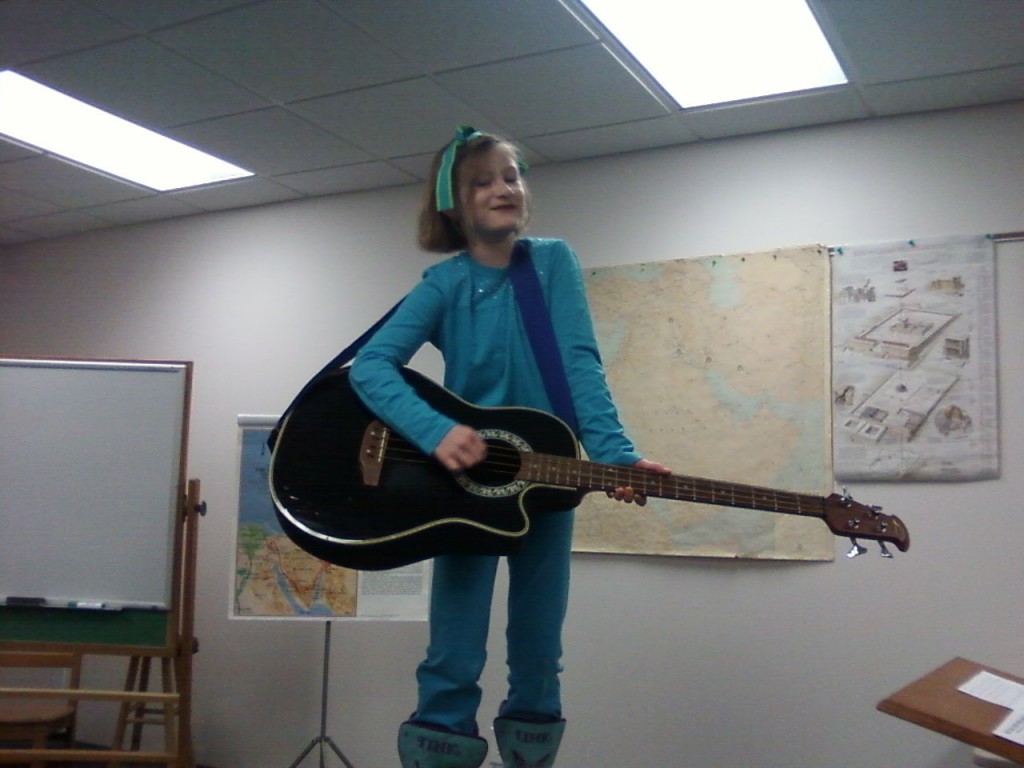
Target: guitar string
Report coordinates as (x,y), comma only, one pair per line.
(612,476)
(841,515)
(564,470)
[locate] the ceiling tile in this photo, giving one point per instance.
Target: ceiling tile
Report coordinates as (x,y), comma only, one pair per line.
(282,85)
(147,16)
(438,36)
(65,184)
(948,92)
(146,209)
(270,141)
(60,224)
(613,139)
(13,236)
(145,83)
(351,178)
(31,30)
(12,150)
(287,50)
(235,194)
(16,205)
(801,109)
(377,119)
(576,88)
(888,40)
(417,166)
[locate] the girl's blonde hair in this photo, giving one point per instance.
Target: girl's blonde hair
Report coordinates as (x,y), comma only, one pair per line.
(441,231)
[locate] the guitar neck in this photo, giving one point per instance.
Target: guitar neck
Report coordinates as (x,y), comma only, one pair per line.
(588,476)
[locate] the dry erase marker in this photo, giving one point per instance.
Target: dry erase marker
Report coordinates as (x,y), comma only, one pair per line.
(94,605)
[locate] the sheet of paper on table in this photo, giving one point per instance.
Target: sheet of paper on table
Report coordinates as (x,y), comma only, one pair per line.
(1006,693)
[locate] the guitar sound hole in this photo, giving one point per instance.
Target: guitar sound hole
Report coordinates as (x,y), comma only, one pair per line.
(500,466)
(496,475)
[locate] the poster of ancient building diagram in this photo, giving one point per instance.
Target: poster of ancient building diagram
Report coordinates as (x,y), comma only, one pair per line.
(914,360)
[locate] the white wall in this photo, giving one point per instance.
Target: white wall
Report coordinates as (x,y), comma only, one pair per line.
(671,662)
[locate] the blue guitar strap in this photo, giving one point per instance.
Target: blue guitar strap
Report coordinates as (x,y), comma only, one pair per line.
(537,321)
(344,357)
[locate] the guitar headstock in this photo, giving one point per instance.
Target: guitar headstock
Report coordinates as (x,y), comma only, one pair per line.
(846,517)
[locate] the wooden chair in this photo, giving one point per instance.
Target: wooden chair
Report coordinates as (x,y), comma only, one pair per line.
(37,720)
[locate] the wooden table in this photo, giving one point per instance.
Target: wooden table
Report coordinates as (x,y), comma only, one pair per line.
(934,702)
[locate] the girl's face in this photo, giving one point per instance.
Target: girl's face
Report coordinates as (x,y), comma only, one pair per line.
(492,196)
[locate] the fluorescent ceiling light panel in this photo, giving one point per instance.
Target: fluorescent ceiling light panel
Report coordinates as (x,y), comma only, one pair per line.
(53,122)
(713,51)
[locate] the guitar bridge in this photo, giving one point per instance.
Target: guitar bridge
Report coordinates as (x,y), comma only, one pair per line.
(371,452)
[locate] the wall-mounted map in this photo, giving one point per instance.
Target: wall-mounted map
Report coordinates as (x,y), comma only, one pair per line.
(720,369)
(274,579)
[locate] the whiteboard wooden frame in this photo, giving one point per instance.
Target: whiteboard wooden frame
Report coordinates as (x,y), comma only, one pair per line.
(175,643)
(91,477)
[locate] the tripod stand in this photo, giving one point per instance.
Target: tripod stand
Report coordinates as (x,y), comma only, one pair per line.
(323,738)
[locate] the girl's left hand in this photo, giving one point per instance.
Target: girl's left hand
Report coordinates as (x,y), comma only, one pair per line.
(630,496)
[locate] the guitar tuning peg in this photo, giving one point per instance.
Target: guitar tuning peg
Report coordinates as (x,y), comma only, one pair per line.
(885,549)
(856,549)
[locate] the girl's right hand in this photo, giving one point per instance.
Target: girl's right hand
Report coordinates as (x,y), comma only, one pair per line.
(461,448)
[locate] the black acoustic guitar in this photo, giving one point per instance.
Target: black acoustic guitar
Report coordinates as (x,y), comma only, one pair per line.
(350,490)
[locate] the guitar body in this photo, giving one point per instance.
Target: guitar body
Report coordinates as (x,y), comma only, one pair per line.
(405,507)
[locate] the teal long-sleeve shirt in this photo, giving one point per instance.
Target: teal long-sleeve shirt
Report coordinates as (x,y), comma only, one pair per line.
(469,312)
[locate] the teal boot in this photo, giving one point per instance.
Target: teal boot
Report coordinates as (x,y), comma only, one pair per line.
(426,746)
(523,744)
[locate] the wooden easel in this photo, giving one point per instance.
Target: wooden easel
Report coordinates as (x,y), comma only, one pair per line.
(140,634)
(170,708)
(140,713)
(176,670)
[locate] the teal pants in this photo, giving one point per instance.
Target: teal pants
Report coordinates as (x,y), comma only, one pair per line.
(460,611)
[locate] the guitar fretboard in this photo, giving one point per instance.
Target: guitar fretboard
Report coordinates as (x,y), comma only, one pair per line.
(589,476)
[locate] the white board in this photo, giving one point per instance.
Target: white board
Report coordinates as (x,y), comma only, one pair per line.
(90,477)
